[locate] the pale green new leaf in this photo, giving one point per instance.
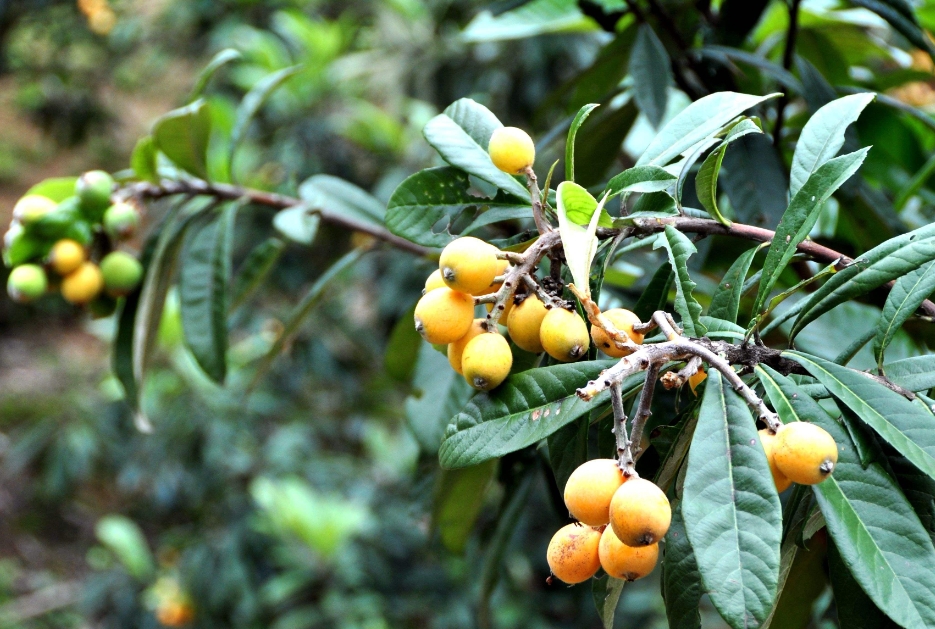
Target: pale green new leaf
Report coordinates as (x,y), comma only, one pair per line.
(580,117)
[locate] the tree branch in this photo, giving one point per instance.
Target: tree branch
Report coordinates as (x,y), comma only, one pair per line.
(787,57)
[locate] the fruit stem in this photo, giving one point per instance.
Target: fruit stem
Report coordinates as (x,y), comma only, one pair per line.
(524,266)
(624,454)
(535,197)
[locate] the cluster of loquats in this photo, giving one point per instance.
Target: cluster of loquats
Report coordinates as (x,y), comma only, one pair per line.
(68,246)
(621,520)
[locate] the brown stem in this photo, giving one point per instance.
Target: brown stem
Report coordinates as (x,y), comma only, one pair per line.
(787,57)
(535,197)
(624,453)
(644,409)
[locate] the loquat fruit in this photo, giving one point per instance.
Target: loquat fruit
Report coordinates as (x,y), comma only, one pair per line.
(805,453)
(122,273)
(66,256)
(640,513)
(121,221)
(626,562)
(456,349)
(768,440)
(26,283)
(93,189)
(83,284)
(623,320)
(433,281)
(590,489)
(573,553)
(695,380)
(511,150)
(564,335)
(32,207)
(486,361)
(443,315)
(469,265)
(524,322)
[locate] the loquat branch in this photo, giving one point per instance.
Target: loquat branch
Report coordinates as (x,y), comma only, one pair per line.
(525,267)
(644,409)
(624,454)
(536,199)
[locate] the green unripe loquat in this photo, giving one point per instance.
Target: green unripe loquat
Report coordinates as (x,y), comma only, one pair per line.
(93,189)
(32,207)
(469,265)
(121,272)
(524,323)
(443,315)
(486,361)
(26,283)
(83,284)
(66,256)
(564,335)
(121,221)
(511,150)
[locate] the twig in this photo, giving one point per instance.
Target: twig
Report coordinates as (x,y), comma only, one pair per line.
(535,197)
(624,454)
(516,274)
(644,409)
(787,57)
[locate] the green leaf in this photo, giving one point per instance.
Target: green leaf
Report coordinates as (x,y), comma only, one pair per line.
(298,223)
(887,261)
(706,179)
(854,607)
(568,448)
(916,373)
(725,304)
(731,509)
(580,117)
(879,536)
(57,188)
(497,215)
(438,393)
(680,248)
(143,160)
(656,294)
(297,316)
(429,196)
(538,17)
(402,348)
(722,328)
(726,54)
(255,269)
(700,120)
(251,104)
(823,136)
(125,539)
(800,217)
(461,134)
(681,581)
(902,20)
(121,359)
(341,197)
(651,70)
(905,297)
(204,278)
(183,134)
(579,205)
(526,408)
(673,445)
(218,61)
(459,496)
(640,179)
(606,591)
(905,426)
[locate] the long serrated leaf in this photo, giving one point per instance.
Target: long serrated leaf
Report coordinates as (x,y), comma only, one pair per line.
(219,60)
(874,527)
(680,248)
(255,269)
(725,304)
(652,74)
(342,197)
(529,19)
(425,198)
(250,106)
(656,294)
(204,278)
(459,496)
(701,119)
(916,373)
(461,134)
(855,609)
(640,179)
(902,424)
(823,136)
(182,135)
(731,509)
(800,217)
(905,297)
(579,119)
(681,580)
(707,177)
(905,23)
(887,261)
(527,407)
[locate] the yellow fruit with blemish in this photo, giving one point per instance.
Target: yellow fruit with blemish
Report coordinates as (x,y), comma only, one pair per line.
(434,281)
(805,453)
(66,256)
(626,562)
(456,349)
(525,322)
(590,488)
(573,553)
(564,335)
(511,150)
(640,513)
(469,265)
(83,284)
(443,315)
(768,440)
(624,321)
(486,361)
(695,380)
